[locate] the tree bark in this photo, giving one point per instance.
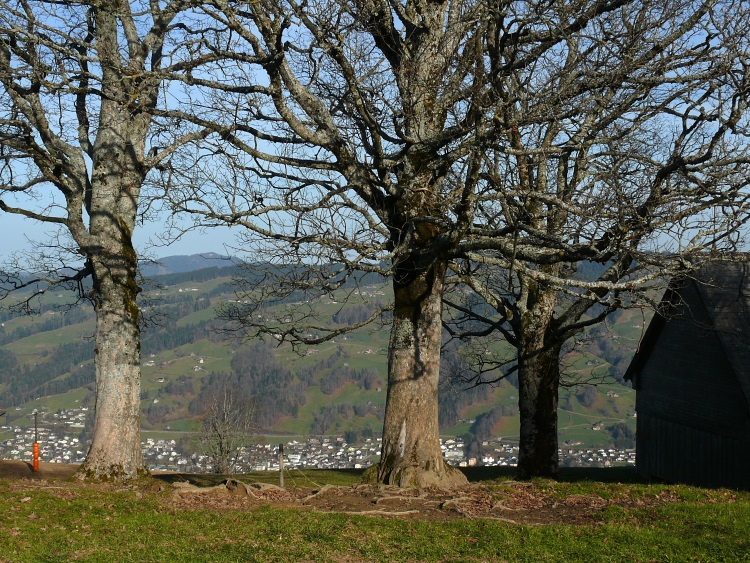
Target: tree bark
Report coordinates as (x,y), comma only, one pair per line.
(538,383)
(116,180)
(537,401)
(411,454)
(115,453)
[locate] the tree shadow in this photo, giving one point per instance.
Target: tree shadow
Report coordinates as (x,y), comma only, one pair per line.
(567,474)
(475,475)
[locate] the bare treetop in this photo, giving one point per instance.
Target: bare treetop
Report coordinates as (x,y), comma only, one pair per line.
(64,66)
(436,142)
(525,133)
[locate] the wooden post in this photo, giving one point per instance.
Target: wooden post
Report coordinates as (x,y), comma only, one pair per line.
(281,465)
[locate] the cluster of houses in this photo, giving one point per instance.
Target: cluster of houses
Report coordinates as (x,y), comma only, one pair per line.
(58,443)
(165,455)
(501,453)
(54,447)
(603,457)
(57,438)
(336,453)
(313,453)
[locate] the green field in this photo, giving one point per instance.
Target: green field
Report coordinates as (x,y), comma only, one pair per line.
(579,519)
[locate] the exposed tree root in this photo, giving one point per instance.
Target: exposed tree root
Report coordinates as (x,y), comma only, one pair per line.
(374,512)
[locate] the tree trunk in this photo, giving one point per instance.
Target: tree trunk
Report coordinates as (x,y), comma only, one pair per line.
(538,378)
(116,180)
(411,454)
(538,383)
(115,453)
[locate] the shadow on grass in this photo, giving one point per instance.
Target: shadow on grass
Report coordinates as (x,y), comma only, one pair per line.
(567,474)
(293,477)
(318,477)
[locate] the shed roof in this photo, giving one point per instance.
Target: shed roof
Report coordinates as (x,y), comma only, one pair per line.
(723,288)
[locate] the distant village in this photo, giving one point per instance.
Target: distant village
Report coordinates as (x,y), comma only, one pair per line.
(58,443)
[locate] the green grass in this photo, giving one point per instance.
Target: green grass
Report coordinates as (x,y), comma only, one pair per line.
(31,348)
(197,317)
(59,523)
(185,425)
(53,403)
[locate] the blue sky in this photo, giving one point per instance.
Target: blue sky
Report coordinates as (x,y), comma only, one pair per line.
(15,232)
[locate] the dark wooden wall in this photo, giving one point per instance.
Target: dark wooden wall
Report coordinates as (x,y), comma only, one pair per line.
(693,419)
(680,454)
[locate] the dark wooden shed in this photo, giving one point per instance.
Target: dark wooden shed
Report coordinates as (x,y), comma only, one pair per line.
(692,377)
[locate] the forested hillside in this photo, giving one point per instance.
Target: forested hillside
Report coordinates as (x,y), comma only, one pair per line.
(336,387)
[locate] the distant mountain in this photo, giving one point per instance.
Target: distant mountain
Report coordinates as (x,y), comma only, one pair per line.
(184,263)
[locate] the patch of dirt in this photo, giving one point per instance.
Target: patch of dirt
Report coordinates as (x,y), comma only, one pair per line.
(512,502)
(509,501)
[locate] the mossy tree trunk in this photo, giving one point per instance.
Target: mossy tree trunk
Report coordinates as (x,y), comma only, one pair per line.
(115,452)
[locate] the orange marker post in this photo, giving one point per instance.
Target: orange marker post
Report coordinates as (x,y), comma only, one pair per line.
(36,443)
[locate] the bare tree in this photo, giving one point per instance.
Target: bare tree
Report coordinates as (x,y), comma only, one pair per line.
(624,148)
(80,83)
(419,140)
(346,119)
(228,422)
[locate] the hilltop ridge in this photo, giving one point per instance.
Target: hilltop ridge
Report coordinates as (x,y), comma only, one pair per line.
(180,263)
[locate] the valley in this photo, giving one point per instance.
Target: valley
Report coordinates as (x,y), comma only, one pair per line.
(334,389)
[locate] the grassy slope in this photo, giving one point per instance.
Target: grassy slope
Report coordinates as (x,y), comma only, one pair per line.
(90,524)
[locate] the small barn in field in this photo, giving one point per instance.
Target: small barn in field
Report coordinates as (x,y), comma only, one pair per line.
(692,380)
